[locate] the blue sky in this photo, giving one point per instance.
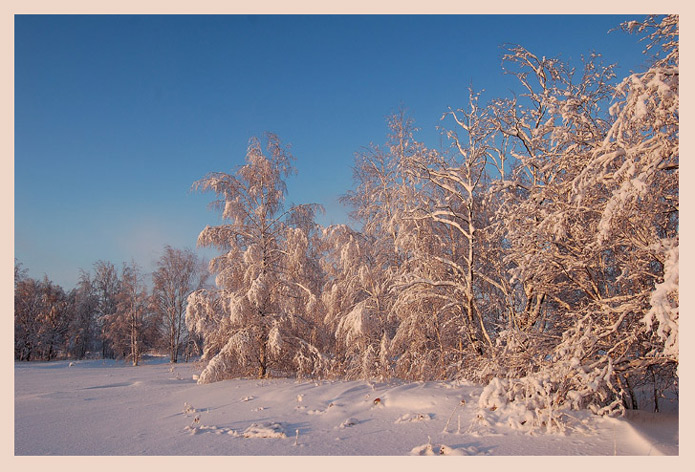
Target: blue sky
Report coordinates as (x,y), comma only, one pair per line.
(116,116)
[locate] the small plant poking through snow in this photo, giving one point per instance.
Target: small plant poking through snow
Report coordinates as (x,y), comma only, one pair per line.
(188,409)
(460,404)
(173,370)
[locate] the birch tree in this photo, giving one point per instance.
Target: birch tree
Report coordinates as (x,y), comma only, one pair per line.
(454,181)
(42,319)
(125,328)
(178,273)
(361,301)
(256,317)
(83,328)
(107,285)
(596,228)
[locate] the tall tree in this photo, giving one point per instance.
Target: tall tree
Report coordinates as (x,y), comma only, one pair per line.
(593,229)
(257,315)
(453,180)
(27,306)
(125,328)
(107,284)
(178,273)
(83,329)
(42,319)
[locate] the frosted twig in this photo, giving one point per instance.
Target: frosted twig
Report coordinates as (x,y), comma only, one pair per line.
(461,403)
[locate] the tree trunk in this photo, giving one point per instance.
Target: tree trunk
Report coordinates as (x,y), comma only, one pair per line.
(262,357)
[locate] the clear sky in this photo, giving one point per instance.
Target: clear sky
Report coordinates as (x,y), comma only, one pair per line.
(116,116)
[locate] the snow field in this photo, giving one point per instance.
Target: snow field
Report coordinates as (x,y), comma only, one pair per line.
(109,408)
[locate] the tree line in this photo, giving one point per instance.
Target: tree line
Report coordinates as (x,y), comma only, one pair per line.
(537,252)
(111,313)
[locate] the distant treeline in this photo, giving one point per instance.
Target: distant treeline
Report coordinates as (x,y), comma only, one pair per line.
(110,313)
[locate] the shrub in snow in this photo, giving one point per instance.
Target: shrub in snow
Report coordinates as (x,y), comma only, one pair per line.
(541,399)
(195,425)
(445,450)
(188,409)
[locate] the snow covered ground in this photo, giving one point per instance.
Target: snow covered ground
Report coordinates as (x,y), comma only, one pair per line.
(110,408)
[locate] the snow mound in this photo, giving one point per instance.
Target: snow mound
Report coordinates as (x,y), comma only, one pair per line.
(411,397)
(414,417)
(423,450)
(445,450)
(200,428)
(265,430)
(442,450)
(349,422)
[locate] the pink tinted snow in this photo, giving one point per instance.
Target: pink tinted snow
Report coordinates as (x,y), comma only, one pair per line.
(109,408)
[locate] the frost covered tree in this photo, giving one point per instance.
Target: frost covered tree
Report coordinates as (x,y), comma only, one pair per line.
(631,179)
(42,319)
(262,314)
(453,182)
(125,328)
(545,133)
(593,228)
(364,267)
(178,273)
(83,335)
(357,304)
(26,309)
(107,285)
